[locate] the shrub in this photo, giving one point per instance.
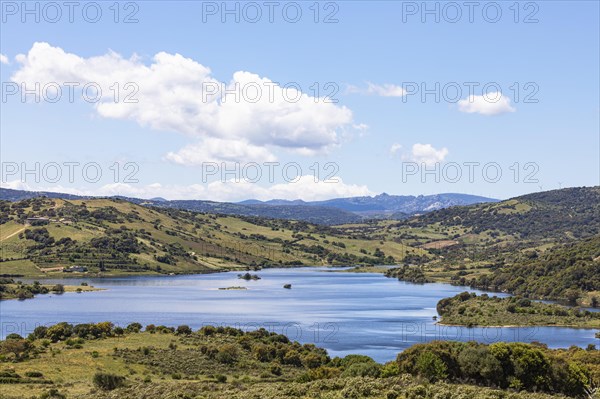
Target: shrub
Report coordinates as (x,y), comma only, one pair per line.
(208,330)
(60,331)
(390,369)
(118,331)
(262,352)
(292,358)
(362,370)
(228,354)
(108,382)
(134,328)
(53,394)
(431,367)
(312,360)
(184,330)
(39,332)
(353,359)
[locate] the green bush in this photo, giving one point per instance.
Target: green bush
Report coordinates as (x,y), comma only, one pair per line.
(431,367)
(134,328)
(227,354)
(362,370)
(184,330)
(505,365)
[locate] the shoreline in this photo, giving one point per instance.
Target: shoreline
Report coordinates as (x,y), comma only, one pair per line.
(69,289)
(146,273)
(516,326)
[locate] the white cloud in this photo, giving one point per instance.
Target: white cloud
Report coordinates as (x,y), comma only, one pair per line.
(3,59)
(427,154)
(179,94)
(304,188)
(395,148)
(488,104)
(17,185)
(384,90)
(220,150)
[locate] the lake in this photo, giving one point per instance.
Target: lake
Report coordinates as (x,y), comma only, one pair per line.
(345,313)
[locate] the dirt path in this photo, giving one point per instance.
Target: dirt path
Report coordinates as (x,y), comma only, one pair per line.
(10,235)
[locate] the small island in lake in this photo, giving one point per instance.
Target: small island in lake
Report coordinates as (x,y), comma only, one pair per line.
(287,286)
(468,309)
(233,288)
(248,276)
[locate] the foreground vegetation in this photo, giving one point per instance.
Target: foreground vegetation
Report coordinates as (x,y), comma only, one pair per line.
(104,361)
(468,309)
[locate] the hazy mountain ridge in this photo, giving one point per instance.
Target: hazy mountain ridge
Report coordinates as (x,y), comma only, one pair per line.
(407,204)
(328,212)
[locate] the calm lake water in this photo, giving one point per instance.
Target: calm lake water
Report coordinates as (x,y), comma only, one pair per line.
(342,312)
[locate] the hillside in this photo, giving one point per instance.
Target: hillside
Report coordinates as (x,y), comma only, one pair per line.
(312,214)
(566,213)
(542,245)
(566,272)
(40,236)
(316,215)
(330,212)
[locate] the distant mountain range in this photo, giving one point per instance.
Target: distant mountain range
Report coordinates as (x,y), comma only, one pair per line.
(385,204)
(329,212)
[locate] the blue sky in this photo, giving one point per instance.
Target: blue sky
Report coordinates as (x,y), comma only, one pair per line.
(380,136)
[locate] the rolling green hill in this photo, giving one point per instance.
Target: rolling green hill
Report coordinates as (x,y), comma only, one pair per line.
(566,213)
(542,245)
(40,236)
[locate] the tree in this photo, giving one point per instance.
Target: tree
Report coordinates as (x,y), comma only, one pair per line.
(477,363)
(18,347)
(58,289)
(572,295)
